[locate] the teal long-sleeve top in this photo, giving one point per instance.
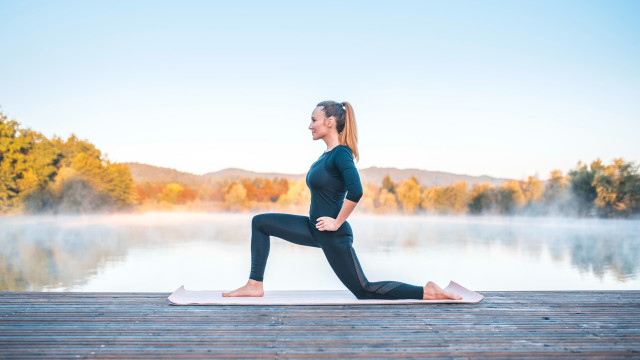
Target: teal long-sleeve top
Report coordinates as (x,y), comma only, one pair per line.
(330,177)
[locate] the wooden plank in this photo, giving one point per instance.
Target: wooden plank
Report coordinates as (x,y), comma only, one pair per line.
(36,325)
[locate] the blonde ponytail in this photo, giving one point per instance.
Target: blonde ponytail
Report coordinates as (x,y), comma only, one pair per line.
(349,135)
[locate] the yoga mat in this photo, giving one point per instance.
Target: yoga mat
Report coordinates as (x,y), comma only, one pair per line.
(183,296)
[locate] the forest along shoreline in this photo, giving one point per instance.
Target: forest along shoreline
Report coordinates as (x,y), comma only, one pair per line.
(41,175)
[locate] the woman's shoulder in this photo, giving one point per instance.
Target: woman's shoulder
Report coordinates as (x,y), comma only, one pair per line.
(345,148)
(343,152)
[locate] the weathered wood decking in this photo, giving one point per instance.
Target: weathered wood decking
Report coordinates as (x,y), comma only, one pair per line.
(145,325)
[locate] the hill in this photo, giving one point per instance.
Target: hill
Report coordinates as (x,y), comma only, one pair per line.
(144,172)
(232,174)
(425,177)
(374,175)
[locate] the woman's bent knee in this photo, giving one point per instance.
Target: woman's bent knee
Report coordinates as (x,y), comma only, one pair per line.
(257,220)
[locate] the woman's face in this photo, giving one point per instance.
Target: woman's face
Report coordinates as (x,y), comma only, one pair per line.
(319,124)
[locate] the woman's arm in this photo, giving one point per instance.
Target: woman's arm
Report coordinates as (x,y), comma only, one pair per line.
(343,161)
(347,208)
(347,168)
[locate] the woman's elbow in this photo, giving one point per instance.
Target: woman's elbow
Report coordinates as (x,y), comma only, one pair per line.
(354,195)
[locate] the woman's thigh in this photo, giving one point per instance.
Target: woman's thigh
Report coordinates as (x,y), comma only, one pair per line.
(338,249)
(336,245)
(289,227)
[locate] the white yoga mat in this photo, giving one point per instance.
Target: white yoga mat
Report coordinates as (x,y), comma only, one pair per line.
(183,296)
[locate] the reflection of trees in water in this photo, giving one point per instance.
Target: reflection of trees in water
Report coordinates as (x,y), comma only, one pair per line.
(593,245)
(45,252)
(40,253)
(604,252)
(44,257)
(411,241)
(598,247)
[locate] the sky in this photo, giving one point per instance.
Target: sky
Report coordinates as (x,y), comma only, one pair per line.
(501,88)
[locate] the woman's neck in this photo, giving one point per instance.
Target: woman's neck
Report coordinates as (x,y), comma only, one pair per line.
(331,143)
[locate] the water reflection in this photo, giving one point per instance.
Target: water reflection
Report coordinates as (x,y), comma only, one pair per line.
(159,251)
(594,245)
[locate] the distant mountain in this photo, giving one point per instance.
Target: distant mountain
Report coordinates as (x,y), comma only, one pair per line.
(232,174)
(374,175)
(144,172)
(425,177)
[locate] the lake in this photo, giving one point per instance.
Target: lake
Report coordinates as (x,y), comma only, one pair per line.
(161,251)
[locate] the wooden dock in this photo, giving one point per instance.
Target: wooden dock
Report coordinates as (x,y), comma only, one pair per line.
(79,325)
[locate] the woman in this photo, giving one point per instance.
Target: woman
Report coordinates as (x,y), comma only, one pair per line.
(329,179)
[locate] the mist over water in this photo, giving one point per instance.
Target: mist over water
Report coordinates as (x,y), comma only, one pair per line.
(161,251)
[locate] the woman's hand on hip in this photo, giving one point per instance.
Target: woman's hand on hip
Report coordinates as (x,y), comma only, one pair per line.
(326,223)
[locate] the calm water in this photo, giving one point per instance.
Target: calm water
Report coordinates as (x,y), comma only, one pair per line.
(161,251)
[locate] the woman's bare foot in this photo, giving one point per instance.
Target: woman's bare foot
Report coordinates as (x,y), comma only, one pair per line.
(252,288)
(435,292)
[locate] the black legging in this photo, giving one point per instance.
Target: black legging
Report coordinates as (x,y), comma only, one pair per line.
(337,247)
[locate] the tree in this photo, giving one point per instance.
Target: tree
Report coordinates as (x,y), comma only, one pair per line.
(532,191)
(582,186)
(388,202)
(446,199)
(74,192)
(483,198)
(27,165)
(281,187)
(556,190)
(170,193)
(617,188)
(388,184)
(187,195)
(408,193)
(205,192)
(429,199)
(297,196)
(120,185)
(457,197)
(370,198)
(252,192)
(266,192)
(236,197)
(509,197)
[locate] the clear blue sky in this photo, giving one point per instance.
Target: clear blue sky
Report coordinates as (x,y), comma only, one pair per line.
(507,89)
